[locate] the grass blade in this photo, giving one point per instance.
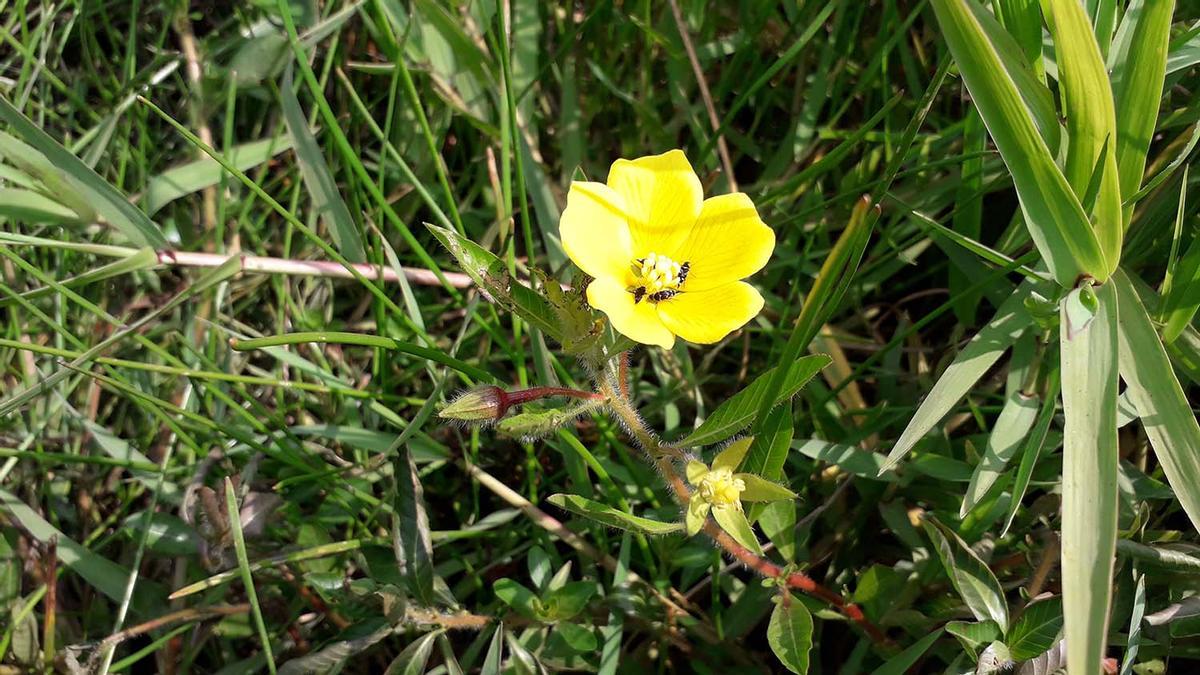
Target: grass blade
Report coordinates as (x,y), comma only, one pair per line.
(239,544)
(1160,400)
(1089,506)
(980,354)
(1055,219)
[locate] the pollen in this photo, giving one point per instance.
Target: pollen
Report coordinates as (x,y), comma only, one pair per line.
(719,487)
(657,277)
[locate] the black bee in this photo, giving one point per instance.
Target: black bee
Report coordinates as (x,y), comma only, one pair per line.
(638,294)
(663,295)
(683,271)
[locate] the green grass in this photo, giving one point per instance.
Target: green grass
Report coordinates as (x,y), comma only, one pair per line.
(143,397)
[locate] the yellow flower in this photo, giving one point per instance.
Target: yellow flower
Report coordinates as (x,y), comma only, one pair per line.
(665,260)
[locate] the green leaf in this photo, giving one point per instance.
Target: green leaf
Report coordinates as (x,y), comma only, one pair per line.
(980,354)
(327,202)
(1090,492)
(28,206)
(1162,405)
(973,580)
(1036,630)
(490,274)
(1138,65)
(413,659)
(1181,291)
(900,663)
(578,638)
(569,600)
(1091,121)
(759,489)
(738,411)
(790,633)
(1134,643)
(194,176)
(778,523)
(1053,214)
(771,445)
(168,534)
(1013,424)
(855,460)
(334,655)
(732,520)
(974,634)
(1160,557)
(1032,449)
(731,457)
(610,516)
(517,596)
(96,192)
(411,541)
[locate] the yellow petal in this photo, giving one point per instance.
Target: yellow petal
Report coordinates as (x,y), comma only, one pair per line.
(705,317)
(664,197)
(638,322)
(595,230)
(729,242)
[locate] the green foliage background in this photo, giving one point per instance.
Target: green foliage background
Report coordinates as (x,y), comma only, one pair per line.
(139,406)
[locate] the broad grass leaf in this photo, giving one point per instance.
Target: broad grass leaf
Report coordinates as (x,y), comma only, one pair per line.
(1035,441)
(109,203)
(1159,556)
(1036,629)
(326,200)
(196,175)
(1090,493)
(973,580)
(1011,428)
(737,412)
(610,516)
(29,206)
(790,633)
(1053,214)
(849,458)
(980,354)
(1162,405)
(1091,121)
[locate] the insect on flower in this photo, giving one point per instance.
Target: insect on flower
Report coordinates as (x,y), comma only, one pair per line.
(666,261)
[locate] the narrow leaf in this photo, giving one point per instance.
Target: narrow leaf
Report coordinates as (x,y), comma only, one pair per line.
(194,176)
(973,580)
(410,531)
(1013,424)
(1089,502)
(610,516)
(1161,402)
(980,354)
(737,412)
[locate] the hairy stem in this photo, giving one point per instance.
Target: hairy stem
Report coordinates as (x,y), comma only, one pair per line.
(662,456)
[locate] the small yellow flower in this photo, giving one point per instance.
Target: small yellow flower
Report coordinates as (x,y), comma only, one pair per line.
(720,492)
(666,261)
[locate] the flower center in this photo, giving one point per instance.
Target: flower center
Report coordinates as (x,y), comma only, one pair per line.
(720,488)
(658,277)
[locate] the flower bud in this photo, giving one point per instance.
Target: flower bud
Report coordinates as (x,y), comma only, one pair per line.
(486,403)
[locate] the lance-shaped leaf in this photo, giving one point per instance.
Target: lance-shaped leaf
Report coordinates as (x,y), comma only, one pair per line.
(737,412)
(973,580)
(1036,630)
(1053,214)
(1089,501)
(411,539)
(1091,120)
(1161,402)
(980,354)
(790,633)
(1013,424)
(609,516)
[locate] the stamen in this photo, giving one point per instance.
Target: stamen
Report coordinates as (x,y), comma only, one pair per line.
(658,277)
